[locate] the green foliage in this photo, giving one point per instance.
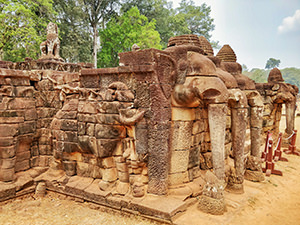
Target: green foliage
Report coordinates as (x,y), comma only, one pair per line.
(197,18)
(122,32)
(271,63)
(76,41)
(258,75)
(291,75)
(23,27)
(186,19)
(98,12)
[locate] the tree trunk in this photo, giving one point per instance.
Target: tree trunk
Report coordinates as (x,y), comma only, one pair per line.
(95,45)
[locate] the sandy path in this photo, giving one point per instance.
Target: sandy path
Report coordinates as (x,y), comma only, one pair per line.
(59,210)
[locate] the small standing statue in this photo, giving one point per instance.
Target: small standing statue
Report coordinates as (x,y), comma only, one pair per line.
(50,47)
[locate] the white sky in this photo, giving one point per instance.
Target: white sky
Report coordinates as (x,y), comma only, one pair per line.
(257,29)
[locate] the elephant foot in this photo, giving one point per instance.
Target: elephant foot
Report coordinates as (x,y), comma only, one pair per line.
(212,205)
(235,188)
(105,185)
(255,176)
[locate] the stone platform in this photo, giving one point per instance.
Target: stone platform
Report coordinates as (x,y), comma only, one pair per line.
(161,208)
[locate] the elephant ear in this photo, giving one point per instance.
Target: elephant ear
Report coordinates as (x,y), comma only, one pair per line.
(166,73)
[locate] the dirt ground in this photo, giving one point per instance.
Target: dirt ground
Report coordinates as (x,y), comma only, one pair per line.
(274,201)
(60,210)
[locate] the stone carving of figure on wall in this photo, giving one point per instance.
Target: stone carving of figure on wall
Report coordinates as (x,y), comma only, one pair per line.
(50,47)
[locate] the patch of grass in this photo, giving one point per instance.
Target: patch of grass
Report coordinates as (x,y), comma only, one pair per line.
(275,185)
(252,201)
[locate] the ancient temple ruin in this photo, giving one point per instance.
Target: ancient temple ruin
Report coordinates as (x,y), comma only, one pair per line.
(162,127)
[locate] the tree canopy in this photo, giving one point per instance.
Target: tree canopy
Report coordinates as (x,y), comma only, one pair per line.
(98,11)
(186,19)
(80,22)
(76,41)
(124,31)
(271,63)
(23,27)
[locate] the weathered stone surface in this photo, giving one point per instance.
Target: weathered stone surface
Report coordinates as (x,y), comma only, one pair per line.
(194,158)
(72,105)
(21,103)
(84,169)
(109,175)
(181,136)
(7,152)
(7,191)
(179,161)
(122,188)
(44,161)
(27,128)
(77,184)
(157,186)
(159,206)
(211,205)
(255,176)
(21,156)
(108,118)
(178,178)
(8,130)
(40,190)
(122,167)
(106,147)
(87,107)
(68,147)
(198,127)
(138,190)
(8,163)
(21,166)
(7,120)
(45,150)
(6,141)
(109,132)
(183,114)
(69,125)
(7,174)
(123,176)
(69,167)
(61,114)
(108,162)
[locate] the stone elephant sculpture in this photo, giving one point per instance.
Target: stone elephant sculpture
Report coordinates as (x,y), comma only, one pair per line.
(93,135)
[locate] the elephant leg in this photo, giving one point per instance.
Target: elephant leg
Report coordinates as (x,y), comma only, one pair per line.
(253,166)
(238,128)
(256,114)
(212,200)
(217,126)
(290,116)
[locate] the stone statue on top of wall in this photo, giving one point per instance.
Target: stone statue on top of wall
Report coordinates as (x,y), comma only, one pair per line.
(50,47)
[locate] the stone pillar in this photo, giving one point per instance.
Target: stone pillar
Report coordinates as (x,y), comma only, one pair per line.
(159,126)
(217,126)
(212,200)
(253,166)
(290,116)
(238,129)
(256,113)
